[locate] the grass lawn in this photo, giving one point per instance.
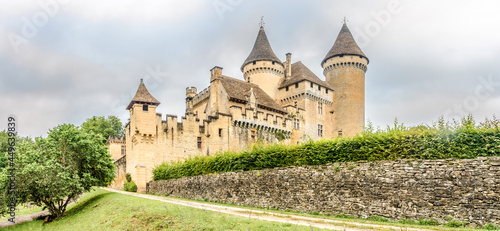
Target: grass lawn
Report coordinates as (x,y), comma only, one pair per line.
(103,210)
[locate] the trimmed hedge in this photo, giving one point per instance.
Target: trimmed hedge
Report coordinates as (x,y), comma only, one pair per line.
(458,139)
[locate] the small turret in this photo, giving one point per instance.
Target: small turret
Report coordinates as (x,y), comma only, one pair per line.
(262,66)
(190,94)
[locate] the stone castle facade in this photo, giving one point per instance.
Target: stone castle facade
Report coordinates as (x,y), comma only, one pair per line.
(275,102)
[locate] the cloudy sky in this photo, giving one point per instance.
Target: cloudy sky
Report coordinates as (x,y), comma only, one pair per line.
(68,60)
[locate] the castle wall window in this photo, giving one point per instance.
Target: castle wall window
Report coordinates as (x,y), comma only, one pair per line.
(220,132)
(296,85)
(198,139)
(286,88)
(295,104)
(254,62)
(296,124)
(320,108)
(319,87)
(312,85)
(144,107)
(273,62)
(326,90)
(320,130)
(252,135)
(124,150)
(340,133)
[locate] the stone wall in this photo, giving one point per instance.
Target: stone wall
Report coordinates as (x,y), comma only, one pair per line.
(466,190)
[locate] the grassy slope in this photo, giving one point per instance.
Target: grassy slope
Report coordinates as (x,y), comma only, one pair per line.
(103,210)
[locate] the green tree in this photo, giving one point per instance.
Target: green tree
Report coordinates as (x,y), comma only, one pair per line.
(111,126)
(53,171)
(3,148)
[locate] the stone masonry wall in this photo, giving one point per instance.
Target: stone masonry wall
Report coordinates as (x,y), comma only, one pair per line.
(466,190)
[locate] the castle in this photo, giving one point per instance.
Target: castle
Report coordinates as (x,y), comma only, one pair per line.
(276,102)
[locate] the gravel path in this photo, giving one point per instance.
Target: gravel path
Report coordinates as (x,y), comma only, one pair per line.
(270,216)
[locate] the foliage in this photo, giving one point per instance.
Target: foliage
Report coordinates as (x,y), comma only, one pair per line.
(458,139)
(491,226)
(128,177)
(111,126)
(55,170)
(130,186)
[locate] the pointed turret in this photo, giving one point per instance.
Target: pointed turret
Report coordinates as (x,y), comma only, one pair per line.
(263,67)
(142,96)
(344,45)
(261,50)
(344,67)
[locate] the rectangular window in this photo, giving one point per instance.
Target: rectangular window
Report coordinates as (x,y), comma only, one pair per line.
(220,132)
(296,124)
(252,135)
(199,142)
(320,108)
(312,85)
(319,87)
(286,88)
(145,107)
(124,150)
(296,85)
(326,90)
(340,133)
(320,130)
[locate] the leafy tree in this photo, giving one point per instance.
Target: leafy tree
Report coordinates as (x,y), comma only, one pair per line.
(111,126)
(53,171)
(3,148)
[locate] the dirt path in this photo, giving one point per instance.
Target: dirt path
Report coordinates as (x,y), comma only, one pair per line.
(270,216)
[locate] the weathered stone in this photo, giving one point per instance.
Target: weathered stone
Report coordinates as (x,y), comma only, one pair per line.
(466,190)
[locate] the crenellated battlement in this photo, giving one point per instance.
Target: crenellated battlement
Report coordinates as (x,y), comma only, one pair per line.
(359,65)
(258,70)
(202,95)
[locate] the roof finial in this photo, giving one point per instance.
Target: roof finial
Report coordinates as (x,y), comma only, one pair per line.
(262,23)
(344,21)
(141,81)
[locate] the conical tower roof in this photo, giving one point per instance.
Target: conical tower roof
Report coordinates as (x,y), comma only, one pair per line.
(261,50)
(344,45)
(142,96)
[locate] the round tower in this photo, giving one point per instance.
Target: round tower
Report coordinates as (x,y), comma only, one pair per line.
(344,67)
(263,67)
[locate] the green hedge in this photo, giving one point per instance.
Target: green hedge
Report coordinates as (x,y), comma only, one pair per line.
(458,139)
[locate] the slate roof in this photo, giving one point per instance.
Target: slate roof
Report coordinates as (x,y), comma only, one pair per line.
(238,89)
(344,45)
(300,73)
(143,96)
(261,50)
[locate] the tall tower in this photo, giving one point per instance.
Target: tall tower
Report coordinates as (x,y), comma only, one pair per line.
(141,134)
(344,67)
(263,67)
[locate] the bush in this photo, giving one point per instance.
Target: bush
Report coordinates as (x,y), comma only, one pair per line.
(456,224)
(128,177)
(130,187)
(491,226)
(430,222)
(460,139)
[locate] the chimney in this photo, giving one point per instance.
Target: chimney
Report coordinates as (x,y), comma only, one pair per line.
(215,72)
(288,66)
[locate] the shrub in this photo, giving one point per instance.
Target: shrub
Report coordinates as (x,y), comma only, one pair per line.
(128,177)
(456,224)
(343,215)
(460,140)
(130,186)
(377,218)
(430,222)
(491,226)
